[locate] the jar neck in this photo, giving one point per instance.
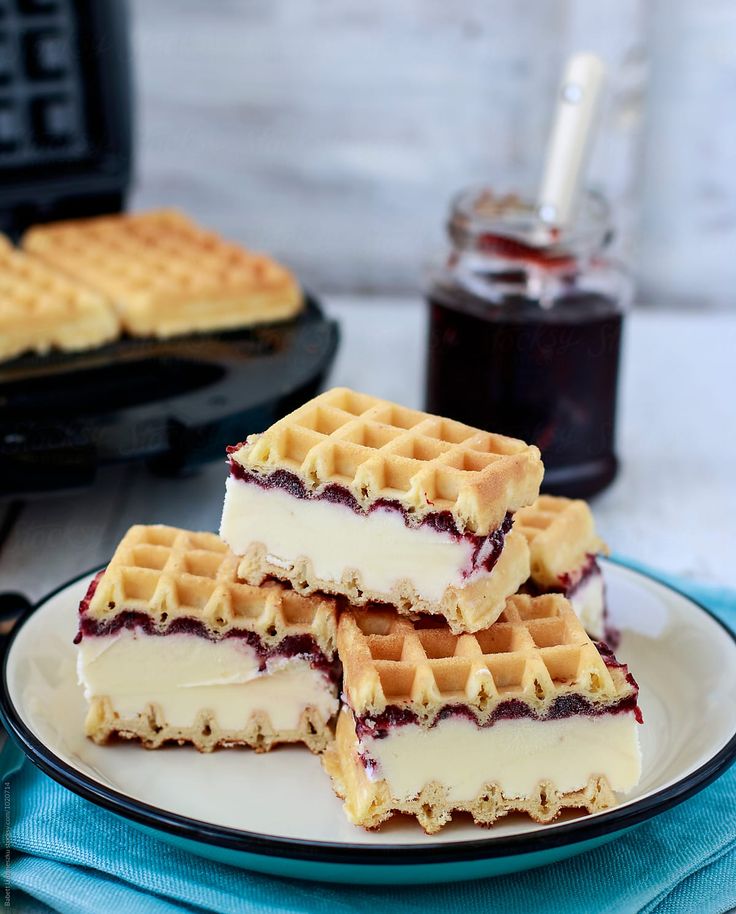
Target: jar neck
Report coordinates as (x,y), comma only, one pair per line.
(502,250)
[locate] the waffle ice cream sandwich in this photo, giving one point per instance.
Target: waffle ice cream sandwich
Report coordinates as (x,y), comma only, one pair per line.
(563,545)
(166,275)
(528,715)
(172,648)
(41,309)
(358,496)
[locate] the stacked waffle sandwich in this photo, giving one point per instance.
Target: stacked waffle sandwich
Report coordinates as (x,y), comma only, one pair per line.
(461,696)
(173,647)
(356,496)
(526,715)
(414,553)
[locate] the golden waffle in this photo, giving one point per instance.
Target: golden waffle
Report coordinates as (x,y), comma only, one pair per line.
(379,450)
(468,608)
(166,275)
(561,534)
(169,573)
(369,802)
(41,309)
(154,731)
(536,652)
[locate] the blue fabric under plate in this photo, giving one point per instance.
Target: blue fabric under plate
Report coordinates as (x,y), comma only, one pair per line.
(79,859)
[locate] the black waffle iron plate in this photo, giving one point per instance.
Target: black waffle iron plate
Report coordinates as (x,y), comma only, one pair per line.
(173,403)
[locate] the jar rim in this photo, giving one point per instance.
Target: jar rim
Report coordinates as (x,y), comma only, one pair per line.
(478,211)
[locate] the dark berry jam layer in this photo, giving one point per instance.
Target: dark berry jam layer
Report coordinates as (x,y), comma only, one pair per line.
(605,649)
(571,582)
(611,634)
(302,646)
(568,583)
(91,590)
(370,764)
(441,521)
(380,725)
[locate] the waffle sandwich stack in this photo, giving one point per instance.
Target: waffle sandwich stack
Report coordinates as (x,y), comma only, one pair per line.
(412,555)
(458,693)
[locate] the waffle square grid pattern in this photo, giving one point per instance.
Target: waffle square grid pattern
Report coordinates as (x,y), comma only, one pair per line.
(561,535)
(40,308)
(167,275)
(169,573)
(536,651)
(380,450)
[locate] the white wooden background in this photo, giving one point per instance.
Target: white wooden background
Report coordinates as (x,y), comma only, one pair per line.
(333,132)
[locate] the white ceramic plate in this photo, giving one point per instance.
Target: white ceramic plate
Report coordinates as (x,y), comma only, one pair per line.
(263,810)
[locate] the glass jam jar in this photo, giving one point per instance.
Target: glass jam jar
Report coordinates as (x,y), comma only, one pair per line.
(525,326)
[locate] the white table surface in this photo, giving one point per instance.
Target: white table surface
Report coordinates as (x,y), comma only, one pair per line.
(673,505)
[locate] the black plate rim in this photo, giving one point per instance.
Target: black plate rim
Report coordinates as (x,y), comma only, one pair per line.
(578,831)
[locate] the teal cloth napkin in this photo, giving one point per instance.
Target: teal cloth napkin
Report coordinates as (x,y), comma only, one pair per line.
(79,859)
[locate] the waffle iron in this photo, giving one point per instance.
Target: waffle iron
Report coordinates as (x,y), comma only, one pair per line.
(66,116)
(173,403)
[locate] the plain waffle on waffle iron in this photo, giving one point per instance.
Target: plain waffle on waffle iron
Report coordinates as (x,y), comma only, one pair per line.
(42,309)
(165,275)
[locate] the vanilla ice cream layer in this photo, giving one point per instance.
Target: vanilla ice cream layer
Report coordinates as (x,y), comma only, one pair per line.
(515,754)
(588,600)
(336,539)
(184,674)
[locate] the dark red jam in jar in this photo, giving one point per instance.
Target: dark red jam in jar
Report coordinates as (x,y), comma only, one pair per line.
(525,334)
